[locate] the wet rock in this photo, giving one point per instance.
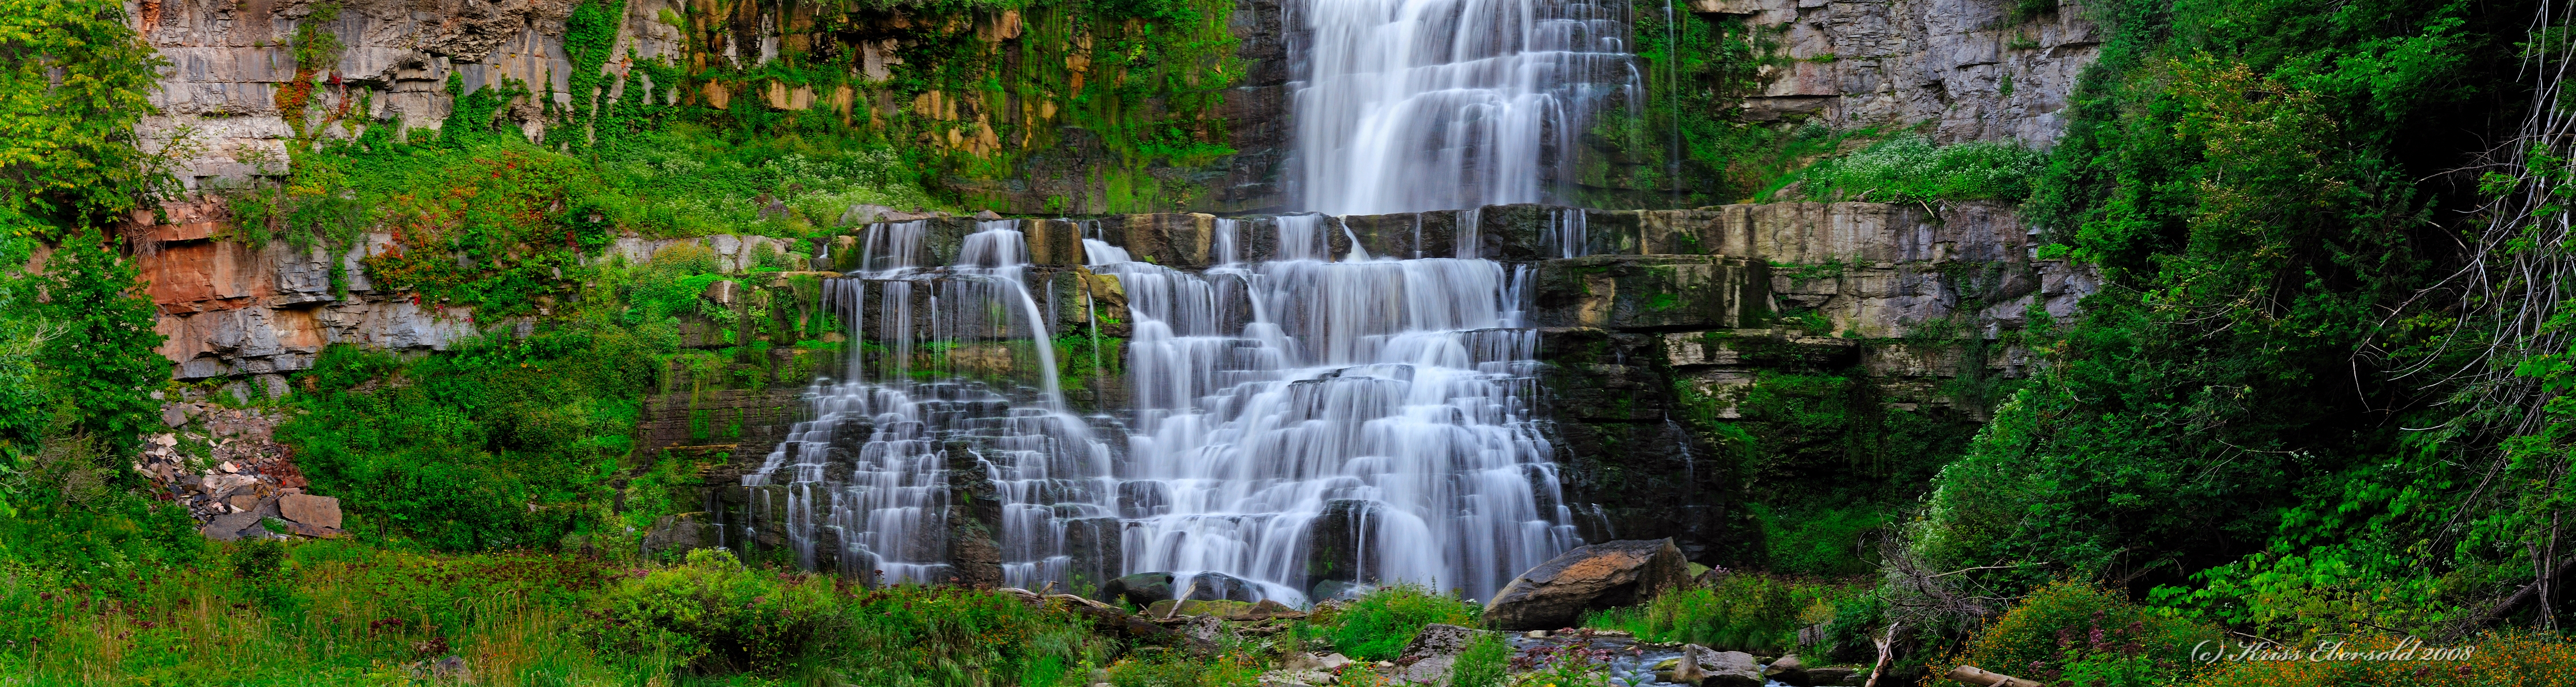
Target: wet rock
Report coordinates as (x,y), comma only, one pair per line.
(1556,593)
(1211,586)
(1333,541)
(1141,589)
(987,215)
(318,511)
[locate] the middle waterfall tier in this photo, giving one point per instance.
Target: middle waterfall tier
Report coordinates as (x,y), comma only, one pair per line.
(1287,426)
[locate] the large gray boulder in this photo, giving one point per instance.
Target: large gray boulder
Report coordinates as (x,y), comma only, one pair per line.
(1556,593)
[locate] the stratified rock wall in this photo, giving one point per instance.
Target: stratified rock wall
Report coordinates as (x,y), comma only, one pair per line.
(1971,67)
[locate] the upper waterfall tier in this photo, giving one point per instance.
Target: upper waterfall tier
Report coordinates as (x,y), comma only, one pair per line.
(1442,104)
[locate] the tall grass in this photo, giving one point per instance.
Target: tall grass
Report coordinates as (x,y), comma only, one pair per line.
(1743,612)
(1377,626)
(335,613)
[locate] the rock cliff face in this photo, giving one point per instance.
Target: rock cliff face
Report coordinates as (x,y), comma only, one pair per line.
(1975,69)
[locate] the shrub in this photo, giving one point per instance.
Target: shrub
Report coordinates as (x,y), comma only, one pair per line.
(2068,630)
(1377,626)
(1910,168)
(712,616)
(1743,612)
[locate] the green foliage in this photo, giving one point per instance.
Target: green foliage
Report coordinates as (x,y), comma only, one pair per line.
(1694,67)
(1487,657)
(74,80)
(2084,633)
(1750,612)
(500,444)
(1908,168)
(1375,627)
(1163,667)
(2245,175)
(712,615)
(102,359)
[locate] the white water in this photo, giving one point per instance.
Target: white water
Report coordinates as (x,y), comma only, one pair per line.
(1402,384)
(872,471)
(1440,104)
(1380,404)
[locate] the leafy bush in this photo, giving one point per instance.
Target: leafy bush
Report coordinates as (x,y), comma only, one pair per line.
(1909,168)
(713,616)
(1376,627)
(1744,612)
(2071,629)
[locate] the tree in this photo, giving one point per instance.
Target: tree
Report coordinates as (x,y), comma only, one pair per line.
(103,356)
(74,80)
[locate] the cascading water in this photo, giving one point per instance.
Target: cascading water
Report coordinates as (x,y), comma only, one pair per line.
(1387,400)
(868,479)
(1307,423)
(1441,104)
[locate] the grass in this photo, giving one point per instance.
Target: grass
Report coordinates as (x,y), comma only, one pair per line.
(1377,626)
(1745,611)
(334,613)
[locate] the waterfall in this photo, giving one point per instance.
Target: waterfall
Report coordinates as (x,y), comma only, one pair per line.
(1307,420)
(1441,104)
(1300,421)
(868,479)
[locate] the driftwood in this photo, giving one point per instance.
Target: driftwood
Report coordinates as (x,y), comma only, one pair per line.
(1986,678)
(1886,656)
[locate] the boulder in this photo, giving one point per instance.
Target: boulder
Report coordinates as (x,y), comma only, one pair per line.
(1427,658)
(1141,589)
(1786,669)
(1556,593)
(1212,586)
(1729,669)
(318,511)
(230,527)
